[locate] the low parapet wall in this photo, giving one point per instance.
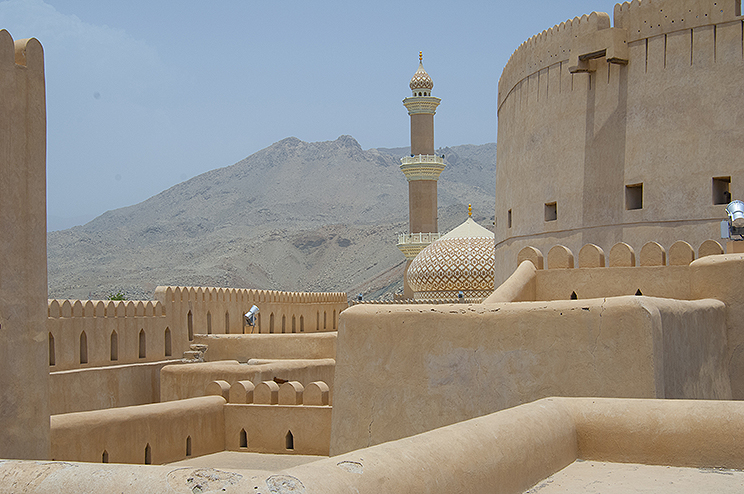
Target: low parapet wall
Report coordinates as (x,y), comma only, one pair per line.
(439,359)
(505,452)
(189,380)
(653,272)
(147,434)
(268,346)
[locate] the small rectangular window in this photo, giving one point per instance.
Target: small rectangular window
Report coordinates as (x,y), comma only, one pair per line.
(634,196)
(721,190)
(509,219)
(551,211)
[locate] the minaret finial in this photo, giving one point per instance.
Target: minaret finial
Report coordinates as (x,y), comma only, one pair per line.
(421,56)
(470,210)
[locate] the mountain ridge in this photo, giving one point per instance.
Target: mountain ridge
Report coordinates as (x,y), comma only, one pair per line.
(292,216)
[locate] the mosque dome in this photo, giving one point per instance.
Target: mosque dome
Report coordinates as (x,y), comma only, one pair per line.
(462,260)
(421,79)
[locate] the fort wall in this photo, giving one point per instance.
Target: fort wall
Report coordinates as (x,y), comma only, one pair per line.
(439,358)
(24,408)
(625,133)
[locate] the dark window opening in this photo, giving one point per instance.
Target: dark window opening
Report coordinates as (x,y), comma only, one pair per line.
(243,438)
(551,211)
(104,457)
(574,296)
(638,293)
(148,455)
(209,322)
(188,446)
(721,190)
(509,219)
(227,323)
(634,196)
(168,350)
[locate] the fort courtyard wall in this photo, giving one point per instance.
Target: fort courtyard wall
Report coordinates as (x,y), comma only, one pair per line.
(624,133)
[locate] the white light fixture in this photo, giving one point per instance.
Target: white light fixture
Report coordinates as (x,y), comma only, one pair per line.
(734,225)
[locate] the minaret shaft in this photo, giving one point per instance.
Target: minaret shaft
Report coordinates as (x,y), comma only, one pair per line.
(422,136)
(422,206)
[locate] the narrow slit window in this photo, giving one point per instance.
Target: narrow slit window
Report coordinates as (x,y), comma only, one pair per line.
(83,348)
(188,446)
(168,349)
(289,440)
(509,219)
(148,455)
(634,196)
(104,457)
(52,357)
(243,438)
(142,344)
(721,190)
(190,321)
(551,211)
(114,346)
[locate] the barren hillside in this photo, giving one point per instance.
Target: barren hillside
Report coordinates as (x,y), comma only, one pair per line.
(294,216)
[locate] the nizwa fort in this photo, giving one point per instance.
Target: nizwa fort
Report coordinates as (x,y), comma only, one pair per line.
(592,342)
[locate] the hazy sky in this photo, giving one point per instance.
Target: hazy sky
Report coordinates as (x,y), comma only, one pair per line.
(142,95)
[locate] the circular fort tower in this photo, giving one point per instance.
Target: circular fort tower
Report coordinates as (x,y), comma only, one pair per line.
(629,132)
(422,169)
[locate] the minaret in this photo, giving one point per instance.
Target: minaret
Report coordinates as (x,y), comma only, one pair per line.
(421,169)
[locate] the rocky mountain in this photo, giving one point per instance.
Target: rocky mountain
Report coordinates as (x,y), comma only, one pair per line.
(294,216)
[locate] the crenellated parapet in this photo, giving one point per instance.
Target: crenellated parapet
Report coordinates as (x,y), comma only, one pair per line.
(211,310)
(653,271)
(549,47)
(621,254)
(633,21)
(647,18)
(100,333)
(317,393)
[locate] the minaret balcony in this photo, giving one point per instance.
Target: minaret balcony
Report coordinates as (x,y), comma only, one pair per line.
(422,167)
(410,244)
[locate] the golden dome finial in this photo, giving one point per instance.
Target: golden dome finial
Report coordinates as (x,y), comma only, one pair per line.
(470,210)
(421,56)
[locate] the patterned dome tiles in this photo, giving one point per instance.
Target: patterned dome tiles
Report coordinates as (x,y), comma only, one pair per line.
(421,79)
(453,264)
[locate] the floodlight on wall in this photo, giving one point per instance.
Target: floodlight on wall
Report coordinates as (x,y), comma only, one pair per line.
(734,225)
(250,316)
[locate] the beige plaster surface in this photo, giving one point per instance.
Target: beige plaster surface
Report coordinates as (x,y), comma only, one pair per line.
(590,477)
(190,380)
(169,430)
(258,462)
(24,406)
(268,346)
(403,370)
(266,428)
(95,388)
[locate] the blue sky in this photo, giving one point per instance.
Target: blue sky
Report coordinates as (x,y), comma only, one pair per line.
(142,95)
